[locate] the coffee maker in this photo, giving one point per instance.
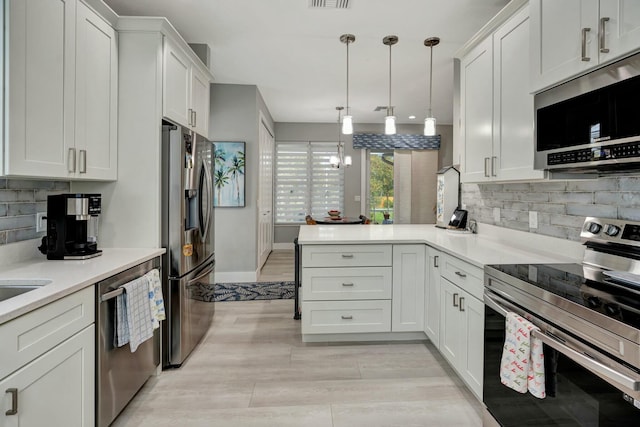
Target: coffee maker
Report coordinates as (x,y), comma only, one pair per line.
(72,226)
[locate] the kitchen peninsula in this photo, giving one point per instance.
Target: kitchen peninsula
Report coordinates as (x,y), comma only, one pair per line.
(408,281)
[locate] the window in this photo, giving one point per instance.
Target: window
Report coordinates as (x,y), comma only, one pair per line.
(306,184)
(380,186)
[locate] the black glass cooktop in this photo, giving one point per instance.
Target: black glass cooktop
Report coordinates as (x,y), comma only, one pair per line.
(582,285)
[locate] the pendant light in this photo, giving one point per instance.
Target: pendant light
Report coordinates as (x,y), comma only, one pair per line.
(430,121)
(390,119)
(347,120)
(340,160)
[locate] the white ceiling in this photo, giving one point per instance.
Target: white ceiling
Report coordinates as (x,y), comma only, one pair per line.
(293,53)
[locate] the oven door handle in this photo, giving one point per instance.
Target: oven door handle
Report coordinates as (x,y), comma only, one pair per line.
(627,378)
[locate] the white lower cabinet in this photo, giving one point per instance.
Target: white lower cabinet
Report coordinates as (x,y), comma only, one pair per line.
(336,317)
(432,291)
(407,313)
(462,333)
(47,365)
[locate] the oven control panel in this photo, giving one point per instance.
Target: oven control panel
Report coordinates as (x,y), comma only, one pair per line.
(610,231)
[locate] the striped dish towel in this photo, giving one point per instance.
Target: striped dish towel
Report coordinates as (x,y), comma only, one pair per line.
(522,364)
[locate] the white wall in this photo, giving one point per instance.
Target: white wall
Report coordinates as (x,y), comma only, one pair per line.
(234,116)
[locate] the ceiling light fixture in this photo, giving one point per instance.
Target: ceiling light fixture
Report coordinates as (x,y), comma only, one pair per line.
(347,120)
(430,121)
(340,160)
(390,120)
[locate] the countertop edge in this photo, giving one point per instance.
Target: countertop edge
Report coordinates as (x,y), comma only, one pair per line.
(25,303)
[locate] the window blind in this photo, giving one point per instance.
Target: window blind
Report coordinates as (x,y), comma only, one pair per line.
(306,184)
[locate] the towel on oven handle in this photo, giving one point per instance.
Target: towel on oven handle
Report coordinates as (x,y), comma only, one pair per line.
(522,363)
(133,314)
(156,299)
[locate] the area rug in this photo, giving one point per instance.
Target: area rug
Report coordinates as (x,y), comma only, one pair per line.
(253,291)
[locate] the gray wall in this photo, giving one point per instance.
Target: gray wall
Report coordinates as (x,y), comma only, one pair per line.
(20,200)
(235,117)
(329,132)
(561,205)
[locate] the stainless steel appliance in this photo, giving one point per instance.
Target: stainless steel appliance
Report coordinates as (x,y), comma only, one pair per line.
(447,195)
(119,372)
(72,226)
(589,320)
(590,123)
(187,234)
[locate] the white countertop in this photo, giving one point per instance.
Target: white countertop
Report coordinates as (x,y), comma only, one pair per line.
(67,277)
(493,245)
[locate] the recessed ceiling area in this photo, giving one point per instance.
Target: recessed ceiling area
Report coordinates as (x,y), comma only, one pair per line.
(292,51)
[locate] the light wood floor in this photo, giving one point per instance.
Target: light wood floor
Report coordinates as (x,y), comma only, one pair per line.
(279,267)
(252,369)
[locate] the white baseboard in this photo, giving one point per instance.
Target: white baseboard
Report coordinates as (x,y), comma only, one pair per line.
(235,276)
(281,246)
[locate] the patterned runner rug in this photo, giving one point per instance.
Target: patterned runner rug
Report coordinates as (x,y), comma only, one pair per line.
(253,291)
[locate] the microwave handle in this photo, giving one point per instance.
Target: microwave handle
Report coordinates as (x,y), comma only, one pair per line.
(585,58)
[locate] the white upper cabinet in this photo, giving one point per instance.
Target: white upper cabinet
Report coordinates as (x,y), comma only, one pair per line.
(571,37)
(186,90)
(61,65)
(496,108)
(96,96)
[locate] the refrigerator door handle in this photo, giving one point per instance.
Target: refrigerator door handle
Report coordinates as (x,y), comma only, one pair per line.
(205,271)
(206,216)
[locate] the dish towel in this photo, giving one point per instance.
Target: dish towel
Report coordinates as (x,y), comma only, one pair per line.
(156,299)
(522,364)
(134,314)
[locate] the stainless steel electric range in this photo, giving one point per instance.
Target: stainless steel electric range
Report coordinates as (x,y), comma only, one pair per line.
(589,320)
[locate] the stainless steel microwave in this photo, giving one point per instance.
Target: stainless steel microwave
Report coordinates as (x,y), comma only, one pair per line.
(591,123)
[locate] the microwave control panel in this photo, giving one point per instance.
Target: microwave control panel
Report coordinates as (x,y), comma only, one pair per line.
(594,154)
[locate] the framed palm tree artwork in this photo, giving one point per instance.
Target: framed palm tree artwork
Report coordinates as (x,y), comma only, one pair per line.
(228,174)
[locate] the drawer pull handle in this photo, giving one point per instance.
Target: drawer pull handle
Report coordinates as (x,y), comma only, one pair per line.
(455,300)
(14,401)
(435,261)
(346,317)
(347,255)
(460,274)
(347,284)
(461,305)
(585,58)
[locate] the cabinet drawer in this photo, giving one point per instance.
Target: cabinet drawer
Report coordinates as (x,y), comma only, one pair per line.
(346,255)
(330,317)
(466,276)
(30,335)
(355,283)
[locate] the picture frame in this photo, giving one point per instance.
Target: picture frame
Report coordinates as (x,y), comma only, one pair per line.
(229,174)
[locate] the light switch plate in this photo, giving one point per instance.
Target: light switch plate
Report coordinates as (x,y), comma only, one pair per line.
(41,222)
(356,198)
(533,219)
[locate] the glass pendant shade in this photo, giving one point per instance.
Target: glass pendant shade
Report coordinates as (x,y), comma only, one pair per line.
(430,126)
(390,125)
(347,125)
(334,161)
(347,160)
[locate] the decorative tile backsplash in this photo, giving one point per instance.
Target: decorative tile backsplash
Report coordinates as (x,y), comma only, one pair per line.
(561,206)
(20,200)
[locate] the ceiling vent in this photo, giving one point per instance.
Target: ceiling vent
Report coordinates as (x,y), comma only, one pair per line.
(329,4)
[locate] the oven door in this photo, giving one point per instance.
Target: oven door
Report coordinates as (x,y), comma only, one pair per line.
(576,395)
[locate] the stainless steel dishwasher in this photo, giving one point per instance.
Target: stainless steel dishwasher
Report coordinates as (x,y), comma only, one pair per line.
(119,372)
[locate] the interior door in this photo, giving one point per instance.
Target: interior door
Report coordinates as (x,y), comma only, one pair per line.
(265,194)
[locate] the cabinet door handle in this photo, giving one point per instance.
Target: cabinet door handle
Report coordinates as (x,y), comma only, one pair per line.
(346,317)
(71,160)
(14,401)
(347,255)
(585,58)
(494,161)
(486,167)
(461,305)
(455,300)
(82,160)
(347,284)
(602,35)
(195,117)
(461,274)
(435,261)
(190,117)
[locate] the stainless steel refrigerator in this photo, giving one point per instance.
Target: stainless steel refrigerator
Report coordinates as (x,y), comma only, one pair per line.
(187,234)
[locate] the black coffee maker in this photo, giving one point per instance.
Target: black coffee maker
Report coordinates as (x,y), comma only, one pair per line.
(72,226)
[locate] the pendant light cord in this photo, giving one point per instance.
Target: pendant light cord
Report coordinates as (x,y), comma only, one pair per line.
(430,80)
(388,113)
(347,110)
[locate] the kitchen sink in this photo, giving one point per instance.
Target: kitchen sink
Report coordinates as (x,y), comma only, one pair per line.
(10,288)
